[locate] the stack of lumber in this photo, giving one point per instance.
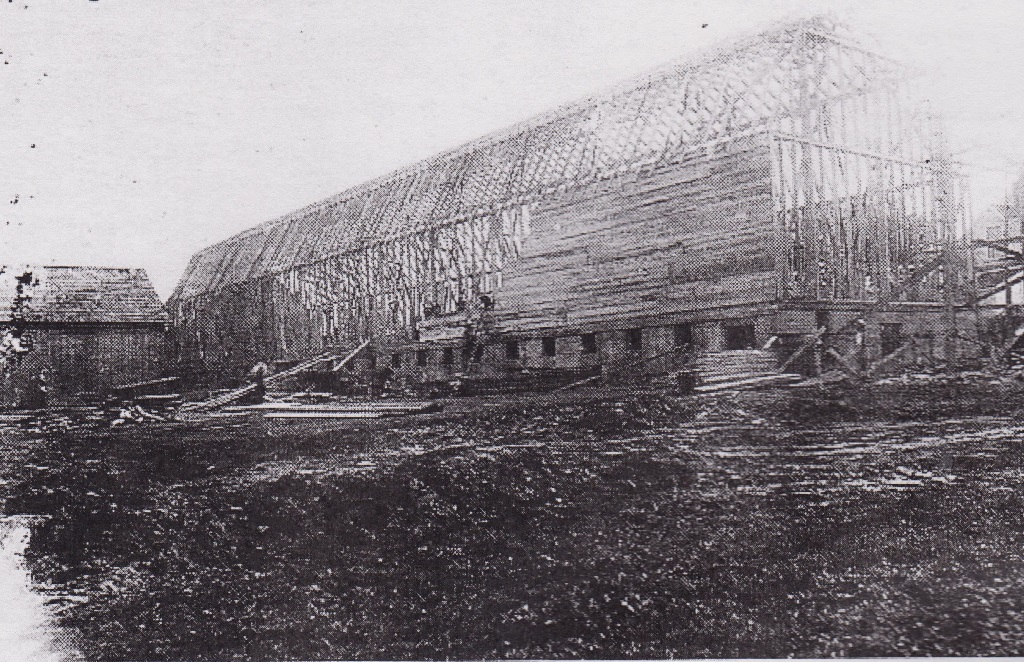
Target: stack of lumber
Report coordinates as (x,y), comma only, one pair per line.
(533,380)
(746,368)
(336,410)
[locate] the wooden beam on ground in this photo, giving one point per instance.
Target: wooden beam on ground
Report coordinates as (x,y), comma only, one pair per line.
(748,382)
(151,382)
(997,265)
(579,382)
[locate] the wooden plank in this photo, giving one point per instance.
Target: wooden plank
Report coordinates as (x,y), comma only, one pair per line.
(236,394)
(341,364)
(808,342)
(751,382)
(906,346)
(843,361)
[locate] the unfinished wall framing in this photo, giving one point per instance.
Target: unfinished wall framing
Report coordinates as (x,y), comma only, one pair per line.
(787,168)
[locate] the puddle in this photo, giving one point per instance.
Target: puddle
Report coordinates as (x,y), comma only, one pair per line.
(27,622)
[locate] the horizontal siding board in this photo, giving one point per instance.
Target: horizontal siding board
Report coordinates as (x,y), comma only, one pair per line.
(703,240)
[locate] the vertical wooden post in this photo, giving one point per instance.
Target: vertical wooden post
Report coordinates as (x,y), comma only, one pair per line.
(944,205)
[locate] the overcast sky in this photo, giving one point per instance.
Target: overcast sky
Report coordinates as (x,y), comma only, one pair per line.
(135,133)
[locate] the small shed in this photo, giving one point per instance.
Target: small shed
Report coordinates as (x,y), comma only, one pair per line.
(71,330)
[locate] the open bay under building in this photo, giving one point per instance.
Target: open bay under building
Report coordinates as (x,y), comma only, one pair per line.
(778,190)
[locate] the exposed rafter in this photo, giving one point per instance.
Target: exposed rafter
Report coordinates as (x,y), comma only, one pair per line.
(657,118)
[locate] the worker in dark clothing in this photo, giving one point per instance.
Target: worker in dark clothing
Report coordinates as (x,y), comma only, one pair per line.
(39,391)
(258,375)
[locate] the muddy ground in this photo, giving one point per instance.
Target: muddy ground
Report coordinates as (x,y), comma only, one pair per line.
(886,520)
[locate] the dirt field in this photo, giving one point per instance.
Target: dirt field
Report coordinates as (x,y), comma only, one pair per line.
(807,522)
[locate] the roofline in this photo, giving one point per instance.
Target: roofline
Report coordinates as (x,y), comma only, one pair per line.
(138,271)
(731,47)
(71,266)
(152,321)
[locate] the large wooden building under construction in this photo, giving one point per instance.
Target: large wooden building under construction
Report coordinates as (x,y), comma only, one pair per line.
(777,193)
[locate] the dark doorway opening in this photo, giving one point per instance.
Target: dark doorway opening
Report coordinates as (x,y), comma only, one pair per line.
(892,338)
(635,339)
(683,335)
(739,336)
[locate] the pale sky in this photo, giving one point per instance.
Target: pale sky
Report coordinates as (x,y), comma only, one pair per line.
(134,133)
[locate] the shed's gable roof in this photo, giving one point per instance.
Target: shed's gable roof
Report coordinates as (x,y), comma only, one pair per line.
(655,118)
(96,295)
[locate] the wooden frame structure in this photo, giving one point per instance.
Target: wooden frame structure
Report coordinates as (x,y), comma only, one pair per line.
(840,195)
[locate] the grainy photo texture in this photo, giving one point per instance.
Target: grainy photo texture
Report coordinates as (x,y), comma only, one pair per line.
(553,330)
